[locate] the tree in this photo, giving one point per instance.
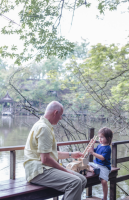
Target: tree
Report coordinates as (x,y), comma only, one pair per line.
(38,29)
(3,76)
(103,79)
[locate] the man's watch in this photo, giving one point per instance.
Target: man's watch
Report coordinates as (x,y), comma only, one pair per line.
(70,154)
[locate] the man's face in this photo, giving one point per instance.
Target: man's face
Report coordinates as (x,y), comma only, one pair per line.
(57,116)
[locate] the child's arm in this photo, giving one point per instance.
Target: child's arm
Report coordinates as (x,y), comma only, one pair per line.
(100,157)
(91,150)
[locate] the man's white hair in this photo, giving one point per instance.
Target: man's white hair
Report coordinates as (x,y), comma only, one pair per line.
(54,105)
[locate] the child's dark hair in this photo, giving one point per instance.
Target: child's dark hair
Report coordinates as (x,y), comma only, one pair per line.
(107,133)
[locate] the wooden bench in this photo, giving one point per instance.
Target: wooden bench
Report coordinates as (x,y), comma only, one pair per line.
(20,189)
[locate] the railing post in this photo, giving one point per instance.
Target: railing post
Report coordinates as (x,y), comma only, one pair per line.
(90,136)
(113,189)
(12,164)
(57,198)
(114,164)
(114,155)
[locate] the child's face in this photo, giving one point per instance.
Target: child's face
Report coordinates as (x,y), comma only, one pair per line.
(102,139)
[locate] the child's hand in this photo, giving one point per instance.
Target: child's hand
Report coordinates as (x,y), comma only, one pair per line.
(93,141)
(90,150)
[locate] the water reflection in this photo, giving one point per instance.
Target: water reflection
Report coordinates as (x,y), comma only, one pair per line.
(14,131)
(5,124)
(7,121)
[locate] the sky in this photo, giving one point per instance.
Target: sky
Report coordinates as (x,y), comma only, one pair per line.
(110,28)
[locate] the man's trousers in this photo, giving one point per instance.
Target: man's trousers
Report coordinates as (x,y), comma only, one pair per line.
(71,185)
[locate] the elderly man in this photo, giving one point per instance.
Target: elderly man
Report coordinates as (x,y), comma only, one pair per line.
(41,166)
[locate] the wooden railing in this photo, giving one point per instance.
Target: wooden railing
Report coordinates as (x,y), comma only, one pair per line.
(13,149)
(116,160)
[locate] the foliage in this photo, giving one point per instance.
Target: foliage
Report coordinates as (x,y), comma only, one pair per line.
(100,81)
(38,28)
(36,81)
(3,75)
(102,78)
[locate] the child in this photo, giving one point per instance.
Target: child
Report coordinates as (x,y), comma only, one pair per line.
(101,164)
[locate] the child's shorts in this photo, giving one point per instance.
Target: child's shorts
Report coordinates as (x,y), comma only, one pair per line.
(104,171)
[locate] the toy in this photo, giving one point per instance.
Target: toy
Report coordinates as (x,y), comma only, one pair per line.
(81,165)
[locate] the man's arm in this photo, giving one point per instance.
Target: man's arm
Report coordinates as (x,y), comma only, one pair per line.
(64,155)
(47,160)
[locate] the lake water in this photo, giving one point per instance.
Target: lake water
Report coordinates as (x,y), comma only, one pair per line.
(14,131)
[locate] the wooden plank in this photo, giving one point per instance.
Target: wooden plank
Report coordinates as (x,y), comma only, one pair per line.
(12,164)
(21,190)
(17,193)
(6,182)
(12,148)
(72,142)
(13,185)
(114,169)
(120,142)
(36,195)
(122,178)
(125,159)
(21,147)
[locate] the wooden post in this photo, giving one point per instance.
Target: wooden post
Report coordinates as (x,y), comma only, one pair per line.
(90,136)
(114,155)
(113,189)
(114,164)
(56,198)
(12,164)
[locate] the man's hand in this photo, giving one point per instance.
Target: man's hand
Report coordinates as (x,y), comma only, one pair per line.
(76,154)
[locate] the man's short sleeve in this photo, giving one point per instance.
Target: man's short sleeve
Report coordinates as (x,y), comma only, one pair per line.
(45,140)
